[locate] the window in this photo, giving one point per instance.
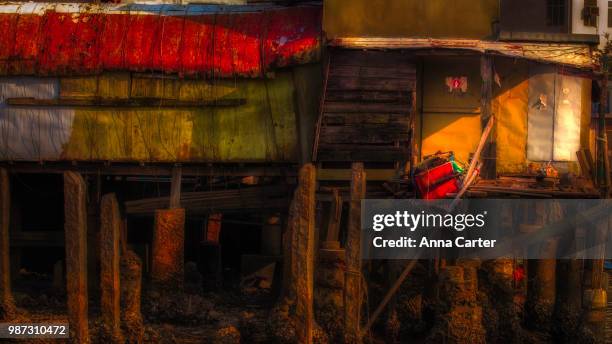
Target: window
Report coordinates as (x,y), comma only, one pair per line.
(555,12)
(553,123)
(590,12)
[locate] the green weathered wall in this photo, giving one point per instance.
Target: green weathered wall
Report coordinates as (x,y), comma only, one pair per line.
(410,18)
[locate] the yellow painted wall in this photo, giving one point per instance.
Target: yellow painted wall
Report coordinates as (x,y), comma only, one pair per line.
(510,109)
(450,122)
(410,18)
(263,129)
(459,133)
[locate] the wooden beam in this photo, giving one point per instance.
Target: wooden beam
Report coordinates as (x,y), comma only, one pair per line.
(75,222)
(130,102)
(264,197)
(175,188)
(7,305)
(330,174)
(352,281)
(489,170)
(110,290)
(156,169)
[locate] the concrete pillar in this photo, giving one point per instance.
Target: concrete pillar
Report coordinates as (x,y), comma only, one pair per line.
(541,290)
(303,252)
(352,287)
(7,306)
(329,291)
(110,237)
(75,226)
(131,284)
(167,270)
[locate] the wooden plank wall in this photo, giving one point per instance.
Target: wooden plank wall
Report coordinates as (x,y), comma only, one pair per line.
(367,107)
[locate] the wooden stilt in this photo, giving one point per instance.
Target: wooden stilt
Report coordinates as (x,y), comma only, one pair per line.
(110,237)
(288,284)
(303,258)
(352,287)
(486,72)
(175,187)
(75,215)
(335,214)
(7,306)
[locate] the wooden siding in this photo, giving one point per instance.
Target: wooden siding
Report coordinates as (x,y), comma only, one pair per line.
(367,106)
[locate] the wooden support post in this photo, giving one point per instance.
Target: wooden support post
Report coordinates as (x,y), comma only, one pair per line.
(7,306)
(352,287)
(603,160)
(335,215)
(288,283)
(167,270)
(303,252)
(600,237)
(75,227)
(489,152)
(110,237)
(175,187)
(542,273)
(595,298)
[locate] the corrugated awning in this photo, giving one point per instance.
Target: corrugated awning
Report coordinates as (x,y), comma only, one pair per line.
(573,55)
(211,40)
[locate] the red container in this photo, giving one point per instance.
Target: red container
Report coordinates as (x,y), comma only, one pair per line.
(437,182)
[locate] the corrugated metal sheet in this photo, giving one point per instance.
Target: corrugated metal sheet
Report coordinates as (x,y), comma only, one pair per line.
(574,55)
(210,40)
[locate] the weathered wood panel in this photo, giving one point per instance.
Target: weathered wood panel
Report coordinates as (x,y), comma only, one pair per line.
(366,112)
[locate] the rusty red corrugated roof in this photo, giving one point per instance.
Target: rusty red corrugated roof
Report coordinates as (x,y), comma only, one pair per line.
(210,40)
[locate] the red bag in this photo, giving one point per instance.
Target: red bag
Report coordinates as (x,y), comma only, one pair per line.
(437,182)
